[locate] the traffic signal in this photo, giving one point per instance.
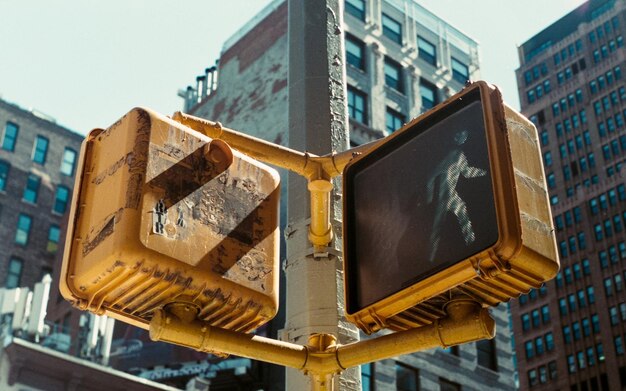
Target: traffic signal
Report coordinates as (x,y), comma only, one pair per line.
(162,214)
(454,203)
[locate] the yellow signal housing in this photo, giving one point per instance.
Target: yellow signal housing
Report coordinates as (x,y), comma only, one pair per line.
(162,214)
(490,237)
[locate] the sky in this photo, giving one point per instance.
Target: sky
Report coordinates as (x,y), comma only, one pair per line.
(88,62)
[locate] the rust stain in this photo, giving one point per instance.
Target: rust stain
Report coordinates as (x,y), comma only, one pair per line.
(106,231)
(219,108)
(136,167)
(112,169)
(259,40)
(258,104)
(279,85)
(275,68)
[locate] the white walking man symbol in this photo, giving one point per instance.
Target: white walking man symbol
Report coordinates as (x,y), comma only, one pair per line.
(441,189)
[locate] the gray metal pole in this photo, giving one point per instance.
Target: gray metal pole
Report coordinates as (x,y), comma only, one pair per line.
(318,123)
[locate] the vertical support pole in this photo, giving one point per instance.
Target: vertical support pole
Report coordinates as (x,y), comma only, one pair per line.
(318,123)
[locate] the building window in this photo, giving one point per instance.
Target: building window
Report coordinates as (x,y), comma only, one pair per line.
(428,92)
(393,120)
(356,8)
(525,322)
(619,345)
(40,150)
(61,198)
(31,191)
(535,318)
(69,161)
(407,378)
(10,136)
(460,71)
(446,385)
(567,335)
(367,377)
(486,354)
(549,342)
(591,357)
(571,364)
(14,273)
(427,51)
(545,314)
(355,50)
(539,348)
(532,377)
(392,29)
(4,174)
(357,105)
(393,75)
(54,235)
(22,232)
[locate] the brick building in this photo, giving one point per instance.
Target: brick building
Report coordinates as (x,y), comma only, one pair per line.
(570,333)
(401,60)
(37,168)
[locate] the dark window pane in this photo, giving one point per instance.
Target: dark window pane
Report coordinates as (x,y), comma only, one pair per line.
(460,71)
(356,8)
(357,105)
(407,378)
(14,273)
(392,29)
(40,150)
(60,199)
(427,51)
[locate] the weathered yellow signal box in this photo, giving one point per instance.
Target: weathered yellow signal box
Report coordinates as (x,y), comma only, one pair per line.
(162,214)
(453,204)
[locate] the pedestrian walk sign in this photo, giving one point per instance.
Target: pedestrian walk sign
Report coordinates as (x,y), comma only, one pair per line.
(453,203)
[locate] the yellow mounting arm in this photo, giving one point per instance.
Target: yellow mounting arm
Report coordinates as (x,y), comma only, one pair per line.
(466,321)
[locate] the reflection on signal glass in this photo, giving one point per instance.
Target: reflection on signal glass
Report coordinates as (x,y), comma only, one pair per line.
(422,206)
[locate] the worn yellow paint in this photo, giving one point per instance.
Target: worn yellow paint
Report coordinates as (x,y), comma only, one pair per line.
(466,321)
(163,214)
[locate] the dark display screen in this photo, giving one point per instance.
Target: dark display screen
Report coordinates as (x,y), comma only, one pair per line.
(419,204)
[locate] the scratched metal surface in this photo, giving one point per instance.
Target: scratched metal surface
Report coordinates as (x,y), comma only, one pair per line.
(157,222)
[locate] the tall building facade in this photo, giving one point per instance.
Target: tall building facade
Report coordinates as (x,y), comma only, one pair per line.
(37,168)
(401,60)
(570,333)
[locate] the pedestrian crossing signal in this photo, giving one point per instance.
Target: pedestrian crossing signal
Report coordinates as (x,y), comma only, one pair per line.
(164,215)
(453,203)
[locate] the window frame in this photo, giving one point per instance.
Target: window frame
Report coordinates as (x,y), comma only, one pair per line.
(456,74)
(58,201)
(12,274)
(352,8)
(389,27)
(23,229)
(40,150)
(396,116)
(355,95)
(31,190)
(65,162)
(9,141)
(396,81)
(424,49)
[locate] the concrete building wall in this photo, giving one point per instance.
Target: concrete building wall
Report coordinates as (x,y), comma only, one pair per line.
(252,98)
